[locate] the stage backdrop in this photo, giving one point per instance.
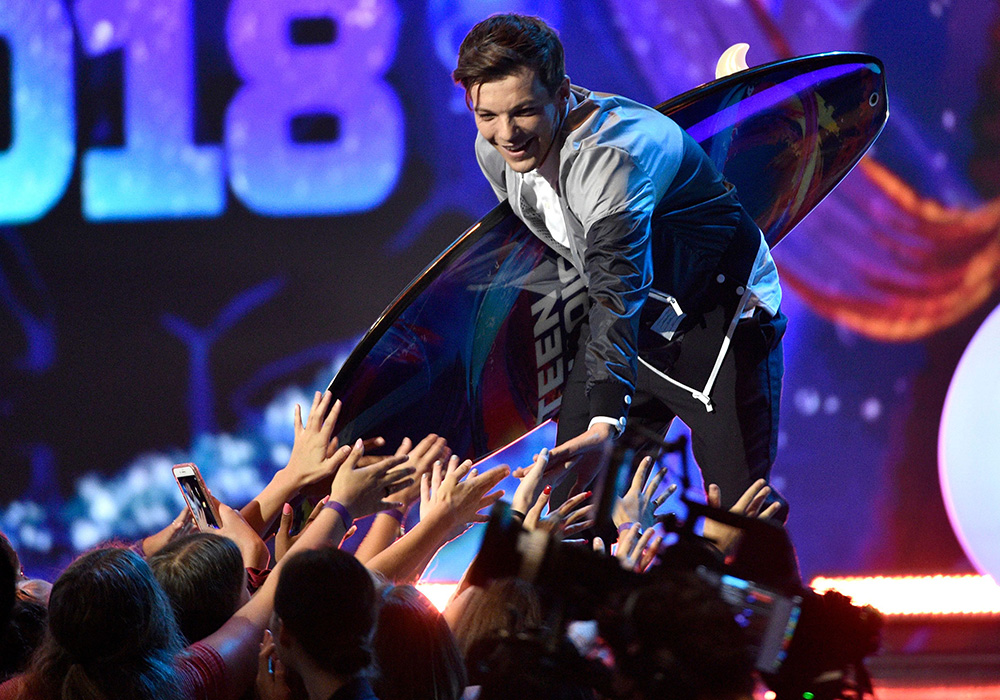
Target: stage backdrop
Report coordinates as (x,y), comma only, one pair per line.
(204,204)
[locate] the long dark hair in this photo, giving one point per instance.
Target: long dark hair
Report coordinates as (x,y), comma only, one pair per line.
(111,634)
(203,576)
(416,655)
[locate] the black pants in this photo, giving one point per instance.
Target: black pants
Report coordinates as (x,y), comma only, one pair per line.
(736,443)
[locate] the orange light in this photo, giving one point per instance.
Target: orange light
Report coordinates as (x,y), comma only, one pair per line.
(919,595)
(438,593)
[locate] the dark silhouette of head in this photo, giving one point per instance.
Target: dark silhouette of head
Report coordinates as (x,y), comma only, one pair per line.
(111,633)
(325,601)
(680,641)
(21,635)
(203,576)
(416,655)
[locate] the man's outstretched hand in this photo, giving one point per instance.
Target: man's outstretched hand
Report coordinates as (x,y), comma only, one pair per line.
(580,457)
(593,440)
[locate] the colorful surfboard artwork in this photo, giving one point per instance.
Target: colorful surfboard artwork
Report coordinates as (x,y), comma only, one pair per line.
(475,348)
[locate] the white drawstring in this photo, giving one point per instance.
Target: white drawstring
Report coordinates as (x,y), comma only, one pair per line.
(704,395)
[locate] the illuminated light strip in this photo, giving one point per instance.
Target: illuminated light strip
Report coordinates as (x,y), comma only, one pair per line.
(890,595)
(986,691)
(438,593)
(919,595)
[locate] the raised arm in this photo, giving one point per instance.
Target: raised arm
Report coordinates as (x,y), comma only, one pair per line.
(313,459)
(385,528)
(455,502)
(357,491)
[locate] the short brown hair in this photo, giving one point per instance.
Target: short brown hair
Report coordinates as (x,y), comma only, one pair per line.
(501,45)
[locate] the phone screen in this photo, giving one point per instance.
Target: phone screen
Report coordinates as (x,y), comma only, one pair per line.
(768,618)
(196,496)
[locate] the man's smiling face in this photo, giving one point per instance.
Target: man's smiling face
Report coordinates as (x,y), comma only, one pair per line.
(517,116)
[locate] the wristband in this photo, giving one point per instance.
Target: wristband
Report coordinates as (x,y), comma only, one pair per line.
(518,514)
(625,527)
(395,513)
(341,510)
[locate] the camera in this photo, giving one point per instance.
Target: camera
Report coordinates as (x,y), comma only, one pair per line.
(799,642)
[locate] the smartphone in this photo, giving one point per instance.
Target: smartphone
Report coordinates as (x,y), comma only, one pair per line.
(197,496)
(768,617)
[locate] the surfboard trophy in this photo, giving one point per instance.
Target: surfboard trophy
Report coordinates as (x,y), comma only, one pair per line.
(474,348)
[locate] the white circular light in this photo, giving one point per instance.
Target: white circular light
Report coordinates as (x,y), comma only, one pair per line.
(969,448)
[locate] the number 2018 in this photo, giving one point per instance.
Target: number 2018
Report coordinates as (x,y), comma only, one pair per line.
(161,172)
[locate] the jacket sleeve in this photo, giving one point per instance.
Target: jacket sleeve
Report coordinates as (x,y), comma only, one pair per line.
(614,201)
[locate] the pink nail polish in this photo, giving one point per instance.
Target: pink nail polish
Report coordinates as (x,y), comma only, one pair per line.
(286,509)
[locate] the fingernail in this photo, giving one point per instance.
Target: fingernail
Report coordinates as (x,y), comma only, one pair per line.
(286,509)
(473,472)
(437,463)
(359,444)
(547,490)
(588,494)
(324,499)
(543,453)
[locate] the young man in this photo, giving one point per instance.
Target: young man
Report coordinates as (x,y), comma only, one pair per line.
(684,298)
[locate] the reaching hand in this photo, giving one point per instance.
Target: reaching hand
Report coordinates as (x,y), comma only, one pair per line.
(422,458)
(314,452)
(447,496)
(633,552)
(592,440)
(366,490)
(181,525)
(284,539)
(252,547)
(570,518)
(528,490)
(725,537)
(581,457)
(639,504)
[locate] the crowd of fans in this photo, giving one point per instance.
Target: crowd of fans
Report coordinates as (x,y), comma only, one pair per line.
(319,615)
